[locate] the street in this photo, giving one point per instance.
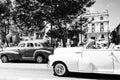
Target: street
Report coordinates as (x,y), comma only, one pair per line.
(35,71)
(74,35)
(29,71)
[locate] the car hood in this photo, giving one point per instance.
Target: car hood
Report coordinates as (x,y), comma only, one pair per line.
(68,50)
(10,49)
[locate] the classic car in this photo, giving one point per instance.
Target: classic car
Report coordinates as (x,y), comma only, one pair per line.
(26,50)
(87,59)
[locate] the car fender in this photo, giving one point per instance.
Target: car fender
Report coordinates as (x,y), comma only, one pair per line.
(70,61)
(12,55)
(45,53)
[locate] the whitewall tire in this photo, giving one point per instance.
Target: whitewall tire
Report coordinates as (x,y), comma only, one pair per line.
(60,69)
(39,59)
(4,59)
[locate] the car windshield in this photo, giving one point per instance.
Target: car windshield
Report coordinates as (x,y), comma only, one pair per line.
(21,45)
(91,45)
(45,44)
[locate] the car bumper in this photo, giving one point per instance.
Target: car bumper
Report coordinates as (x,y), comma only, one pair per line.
(48,65)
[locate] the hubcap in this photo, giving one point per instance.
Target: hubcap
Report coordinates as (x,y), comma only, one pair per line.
(39,59)
(4,59)
(60,69)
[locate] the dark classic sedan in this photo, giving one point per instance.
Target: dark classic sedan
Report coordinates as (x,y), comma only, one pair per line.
(26,50)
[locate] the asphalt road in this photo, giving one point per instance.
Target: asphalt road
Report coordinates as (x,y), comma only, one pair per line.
(35,71)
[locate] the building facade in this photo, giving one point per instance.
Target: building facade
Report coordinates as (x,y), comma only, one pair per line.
(98,28)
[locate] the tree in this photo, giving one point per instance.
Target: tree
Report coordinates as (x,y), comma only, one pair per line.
(80,27)
(27,15)
(5,6)
(59,12)
(30,15)
(115,35)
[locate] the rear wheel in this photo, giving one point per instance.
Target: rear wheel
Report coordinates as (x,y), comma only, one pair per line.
(60,69)
(4,59)
(39,59)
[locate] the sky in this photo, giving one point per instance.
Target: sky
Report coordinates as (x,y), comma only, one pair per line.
(113,7)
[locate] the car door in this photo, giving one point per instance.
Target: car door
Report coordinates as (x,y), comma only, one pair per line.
(21,48)
(29,50)
(116,58)
(96,60)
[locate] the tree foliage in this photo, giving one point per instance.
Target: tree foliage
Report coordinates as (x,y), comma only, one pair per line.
(115,35)
(31,15)
(64,12)
(27,15)
(5,6)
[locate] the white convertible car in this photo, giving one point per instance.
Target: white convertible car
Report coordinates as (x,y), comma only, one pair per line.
(87,59)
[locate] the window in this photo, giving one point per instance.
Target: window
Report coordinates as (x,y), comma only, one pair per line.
(101,18)
(93,38)
(93,19)
(102,36)
(93,24)
(30,45)
(101,24)
(101,27)
(93,27)
(35,44)
(85,35)
(22,45)
(38,45)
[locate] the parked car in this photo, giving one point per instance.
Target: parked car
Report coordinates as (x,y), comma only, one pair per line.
(26,50)
(86,59)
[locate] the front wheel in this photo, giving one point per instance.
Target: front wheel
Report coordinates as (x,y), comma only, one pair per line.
(39,59)
(60,69)
(4,59)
